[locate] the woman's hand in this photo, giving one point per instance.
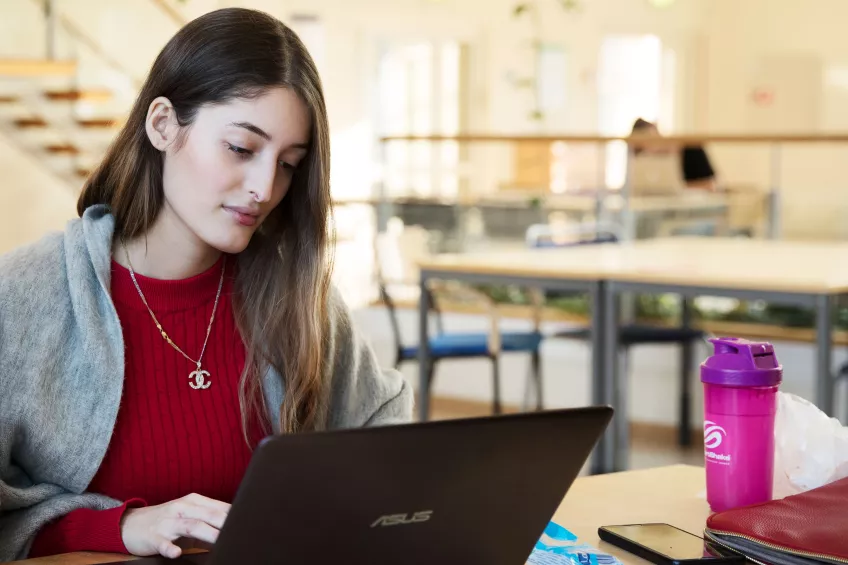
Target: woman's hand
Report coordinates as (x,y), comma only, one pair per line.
(153,530)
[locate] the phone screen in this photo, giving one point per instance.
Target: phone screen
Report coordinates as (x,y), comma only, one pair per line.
(666,540)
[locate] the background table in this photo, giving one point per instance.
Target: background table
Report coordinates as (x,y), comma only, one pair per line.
(811,274)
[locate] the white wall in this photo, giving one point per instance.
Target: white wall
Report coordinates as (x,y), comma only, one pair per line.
(742,36)
(32,201)
(22,33)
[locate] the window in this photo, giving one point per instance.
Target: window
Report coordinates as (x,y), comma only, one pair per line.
(310,29)
(635,80)
(419,94)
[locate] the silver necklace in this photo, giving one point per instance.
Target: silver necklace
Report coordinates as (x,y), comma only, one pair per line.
(199,378)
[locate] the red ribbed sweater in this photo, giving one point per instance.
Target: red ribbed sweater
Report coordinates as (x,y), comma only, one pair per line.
(169,439)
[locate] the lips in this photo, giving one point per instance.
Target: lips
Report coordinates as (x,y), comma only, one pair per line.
(243,216)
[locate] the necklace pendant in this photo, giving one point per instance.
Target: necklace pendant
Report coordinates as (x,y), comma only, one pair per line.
(198,379)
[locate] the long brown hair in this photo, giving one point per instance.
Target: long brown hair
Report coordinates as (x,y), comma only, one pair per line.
(283,278)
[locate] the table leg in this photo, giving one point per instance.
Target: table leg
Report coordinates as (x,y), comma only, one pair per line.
(602,456)
(423,352)
(613,381)
(621,455)
(607,329)
(686,354)
(824,340)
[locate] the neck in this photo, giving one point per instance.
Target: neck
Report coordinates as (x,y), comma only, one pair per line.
(169,250)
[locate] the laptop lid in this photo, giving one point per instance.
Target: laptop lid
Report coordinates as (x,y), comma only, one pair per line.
(654,174)
(451,492)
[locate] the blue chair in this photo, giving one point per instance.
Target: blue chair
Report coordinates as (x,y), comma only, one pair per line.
(630,335)
(469,345)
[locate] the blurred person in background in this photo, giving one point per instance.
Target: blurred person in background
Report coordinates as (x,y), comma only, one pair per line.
(695,165)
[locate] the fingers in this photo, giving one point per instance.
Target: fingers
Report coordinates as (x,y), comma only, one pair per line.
(166,548)
(206,502)
(161,529)
(188,528)
(212,516)
(193,517)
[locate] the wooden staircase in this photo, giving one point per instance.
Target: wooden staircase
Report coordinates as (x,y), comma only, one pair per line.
(101,123)
(43,106)
(76,95)
(47,120)
(30,123)
(36,68)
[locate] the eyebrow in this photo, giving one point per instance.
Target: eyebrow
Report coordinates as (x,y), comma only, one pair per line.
(262,133)
(255,129)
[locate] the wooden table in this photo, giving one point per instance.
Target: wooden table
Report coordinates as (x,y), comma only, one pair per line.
(81,558)
(671,495)
(667,494)
(809,274)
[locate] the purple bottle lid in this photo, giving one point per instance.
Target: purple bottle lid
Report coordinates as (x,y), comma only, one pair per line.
(743,363)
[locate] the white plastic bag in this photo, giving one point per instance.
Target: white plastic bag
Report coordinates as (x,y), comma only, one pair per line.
(811,449)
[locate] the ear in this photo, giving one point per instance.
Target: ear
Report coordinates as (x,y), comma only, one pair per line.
(161,124)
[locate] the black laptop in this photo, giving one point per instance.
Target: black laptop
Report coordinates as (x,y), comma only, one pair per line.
(454,492)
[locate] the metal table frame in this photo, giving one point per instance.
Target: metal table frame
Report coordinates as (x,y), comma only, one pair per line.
(823,303)
(603,455)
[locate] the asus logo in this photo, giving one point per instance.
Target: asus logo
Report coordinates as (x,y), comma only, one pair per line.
(402,519)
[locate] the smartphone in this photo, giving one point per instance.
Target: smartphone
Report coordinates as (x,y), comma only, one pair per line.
(664,544)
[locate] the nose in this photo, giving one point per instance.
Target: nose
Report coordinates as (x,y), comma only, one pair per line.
(262,183)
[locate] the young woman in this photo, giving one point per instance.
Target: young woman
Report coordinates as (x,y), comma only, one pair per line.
(187,313)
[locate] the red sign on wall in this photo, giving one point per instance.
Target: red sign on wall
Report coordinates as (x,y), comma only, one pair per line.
(763,96)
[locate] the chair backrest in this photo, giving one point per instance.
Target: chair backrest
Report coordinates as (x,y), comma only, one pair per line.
(390,307)
(703,228)
(389,303)
(549,235)
(398,251)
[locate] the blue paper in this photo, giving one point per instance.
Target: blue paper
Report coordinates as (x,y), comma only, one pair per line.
(557,532)
(558,546)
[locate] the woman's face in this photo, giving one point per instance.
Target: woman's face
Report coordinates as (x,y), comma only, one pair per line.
(226,172)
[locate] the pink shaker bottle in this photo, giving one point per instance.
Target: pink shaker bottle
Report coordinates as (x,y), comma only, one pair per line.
(741,380)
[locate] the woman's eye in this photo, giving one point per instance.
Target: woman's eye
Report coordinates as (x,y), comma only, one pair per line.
(287,166)
(240,151)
